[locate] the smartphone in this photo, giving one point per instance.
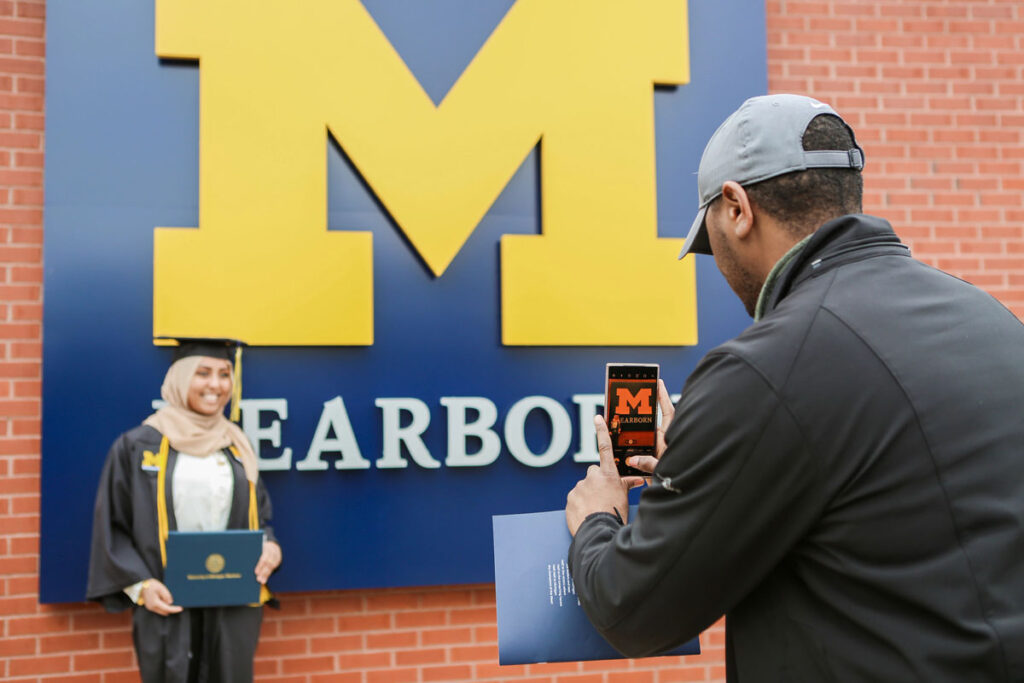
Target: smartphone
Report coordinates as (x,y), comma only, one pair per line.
(631,411)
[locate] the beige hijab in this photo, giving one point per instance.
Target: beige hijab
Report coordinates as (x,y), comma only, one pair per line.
(193,433)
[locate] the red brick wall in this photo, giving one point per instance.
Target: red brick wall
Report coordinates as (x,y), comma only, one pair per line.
(935,91)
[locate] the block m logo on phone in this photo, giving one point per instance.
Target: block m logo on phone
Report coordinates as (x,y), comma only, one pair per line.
(278,77)
(628,403)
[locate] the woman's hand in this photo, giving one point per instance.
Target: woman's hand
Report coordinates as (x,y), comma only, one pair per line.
(269,561)
(155,597)
(647,463)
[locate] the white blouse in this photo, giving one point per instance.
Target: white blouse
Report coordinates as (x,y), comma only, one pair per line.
(203,489)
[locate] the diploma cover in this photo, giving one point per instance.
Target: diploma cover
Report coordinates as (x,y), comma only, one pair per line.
(213,568)
(539,616)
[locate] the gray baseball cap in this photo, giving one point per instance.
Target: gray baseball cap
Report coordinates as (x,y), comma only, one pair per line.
(760,140)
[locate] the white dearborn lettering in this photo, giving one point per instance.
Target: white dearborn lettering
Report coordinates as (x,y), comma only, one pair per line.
(472,437)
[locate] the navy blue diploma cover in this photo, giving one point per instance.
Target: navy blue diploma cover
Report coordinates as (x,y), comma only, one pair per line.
(213,568)
(539,616)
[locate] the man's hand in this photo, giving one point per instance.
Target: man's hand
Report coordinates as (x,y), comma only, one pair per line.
(268,562)
(647,463)
(603,490)
(157,599)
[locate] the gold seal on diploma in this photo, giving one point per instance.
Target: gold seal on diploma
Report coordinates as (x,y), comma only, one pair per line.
(215,563)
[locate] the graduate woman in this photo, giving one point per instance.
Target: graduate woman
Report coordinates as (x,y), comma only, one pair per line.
(185,468)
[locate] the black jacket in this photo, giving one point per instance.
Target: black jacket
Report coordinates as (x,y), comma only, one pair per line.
(844,480)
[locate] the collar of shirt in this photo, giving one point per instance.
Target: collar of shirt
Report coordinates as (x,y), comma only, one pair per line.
(773,276)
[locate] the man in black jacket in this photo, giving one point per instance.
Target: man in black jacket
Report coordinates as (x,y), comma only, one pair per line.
(845,479)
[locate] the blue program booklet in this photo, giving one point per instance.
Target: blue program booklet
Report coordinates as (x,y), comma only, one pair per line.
(213,568)
(539,616)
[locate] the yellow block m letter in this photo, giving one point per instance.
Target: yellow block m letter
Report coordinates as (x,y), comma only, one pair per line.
(277,77)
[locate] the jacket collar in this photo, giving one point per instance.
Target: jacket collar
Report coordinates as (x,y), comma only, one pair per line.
(839,241)
(773,276)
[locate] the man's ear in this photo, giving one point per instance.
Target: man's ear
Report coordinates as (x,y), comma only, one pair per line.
(738,209)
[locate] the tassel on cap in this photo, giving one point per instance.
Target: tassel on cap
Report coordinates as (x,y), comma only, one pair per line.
(236,387)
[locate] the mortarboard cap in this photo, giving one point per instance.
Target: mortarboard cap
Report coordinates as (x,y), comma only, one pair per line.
(205,346)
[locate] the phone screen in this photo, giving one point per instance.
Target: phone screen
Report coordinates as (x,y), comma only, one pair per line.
(631,411)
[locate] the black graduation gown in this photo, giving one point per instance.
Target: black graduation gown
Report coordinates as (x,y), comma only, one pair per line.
(218,643)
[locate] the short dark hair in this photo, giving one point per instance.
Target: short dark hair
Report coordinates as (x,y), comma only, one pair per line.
(803,200)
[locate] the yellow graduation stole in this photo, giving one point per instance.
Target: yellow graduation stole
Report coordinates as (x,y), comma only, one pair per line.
(159,460)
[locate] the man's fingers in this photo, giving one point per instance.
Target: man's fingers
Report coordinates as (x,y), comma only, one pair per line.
(668,411)
(633,482)
(604,445)
(644,463)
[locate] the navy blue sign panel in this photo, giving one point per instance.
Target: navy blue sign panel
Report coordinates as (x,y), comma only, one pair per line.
(385,461)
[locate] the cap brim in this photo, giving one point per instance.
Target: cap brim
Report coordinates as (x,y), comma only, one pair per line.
(697,240)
